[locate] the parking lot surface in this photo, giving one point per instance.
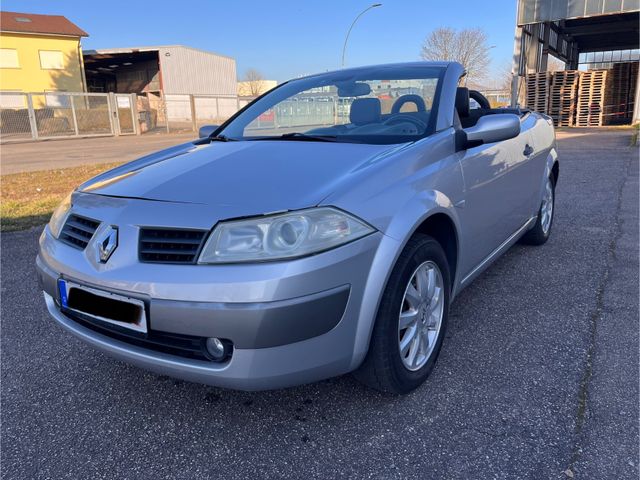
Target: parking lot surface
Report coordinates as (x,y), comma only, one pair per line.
(54,154)
(538,376)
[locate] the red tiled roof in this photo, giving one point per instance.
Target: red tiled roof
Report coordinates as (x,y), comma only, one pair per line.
(33,23)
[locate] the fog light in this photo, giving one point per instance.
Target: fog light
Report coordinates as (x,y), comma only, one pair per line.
(217,349)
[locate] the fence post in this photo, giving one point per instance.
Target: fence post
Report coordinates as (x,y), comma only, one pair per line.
(32,117)
(192,104)
(166,110)
(113,113)
(110,114)
(73,115)
(134,114)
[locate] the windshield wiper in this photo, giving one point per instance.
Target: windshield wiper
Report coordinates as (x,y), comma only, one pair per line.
(303,137)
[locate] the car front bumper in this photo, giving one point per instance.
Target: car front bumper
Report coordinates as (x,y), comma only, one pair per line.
(290,322)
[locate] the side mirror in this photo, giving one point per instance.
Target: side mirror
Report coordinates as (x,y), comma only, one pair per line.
(206,130)
(493,128)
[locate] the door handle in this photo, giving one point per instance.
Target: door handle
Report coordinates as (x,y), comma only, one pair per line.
(528,150)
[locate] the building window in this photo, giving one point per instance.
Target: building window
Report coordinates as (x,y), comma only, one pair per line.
(9,58)
(51,60)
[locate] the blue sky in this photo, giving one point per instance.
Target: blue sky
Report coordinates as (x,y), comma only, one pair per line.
(287,38)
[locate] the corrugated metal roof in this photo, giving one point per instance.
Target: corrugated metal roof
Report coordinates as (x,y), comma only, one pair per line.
(154,48)
(42,24)
(535,11)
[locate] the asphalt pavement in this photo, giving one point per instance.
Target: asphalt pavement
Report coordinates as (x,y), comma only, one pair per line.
(54,154)
(538,376)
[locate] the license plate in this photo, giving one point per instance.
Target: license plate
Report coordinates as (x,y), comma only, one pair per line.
(120,310)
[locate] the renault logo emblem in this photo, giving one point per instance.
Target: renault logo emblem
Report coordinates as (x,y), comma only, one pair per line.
(107,243)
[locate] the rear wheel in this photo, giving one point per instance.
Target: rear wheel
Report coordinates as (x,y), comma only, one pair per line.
(411,320)
(541,231)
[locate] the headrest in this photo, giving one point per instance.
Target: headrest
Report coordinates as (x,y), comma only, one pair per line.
(462,101)
(409,98)
(365,110)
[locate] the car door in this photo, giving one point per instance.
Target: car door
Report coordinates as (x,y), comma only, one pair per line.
(525,171)
(491,209)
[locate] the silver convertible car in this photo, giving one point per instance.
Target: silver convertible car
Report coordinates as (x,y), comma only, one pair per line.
(323,229)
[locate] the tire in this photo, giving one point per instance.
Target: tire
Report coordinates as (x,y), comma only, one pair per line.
(385,368)
(539,234)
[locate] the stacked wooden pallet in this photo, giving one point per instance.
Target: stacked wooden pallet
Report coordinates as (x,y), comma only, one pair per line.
(562,97)
(620,93)
(591,93)
(633,82)
(537,96)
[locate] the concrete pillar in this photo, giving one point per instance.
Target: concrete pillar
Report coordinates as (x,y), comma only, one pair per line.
(515,66)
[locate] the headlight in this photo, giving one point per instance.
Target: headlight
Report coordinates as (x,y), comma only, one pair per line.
(288,235)
(59,216)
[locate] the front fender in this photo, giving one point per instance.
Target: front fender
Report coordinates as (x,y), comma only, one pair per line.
(397,234)
(412,214)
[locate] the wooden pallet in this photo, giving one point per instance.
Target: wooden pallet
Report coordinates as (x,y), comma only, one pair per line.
(591,93)
(563,97)
(620,93)
(537,91)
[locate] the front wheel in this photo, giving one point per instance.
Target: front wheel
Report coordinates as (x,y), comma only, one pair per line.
(411,320)
(541,231)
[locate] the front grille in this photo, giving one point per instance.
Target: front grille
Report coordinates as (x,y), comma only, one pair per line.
(185,346)
(77,231)
(161,245)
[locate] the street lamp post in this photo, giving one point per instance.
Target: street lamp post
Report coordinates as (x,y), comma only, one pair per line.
(344,48)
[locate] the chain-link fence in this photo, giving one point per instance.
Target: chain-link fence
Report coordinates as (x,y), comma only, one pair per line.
(14,116)
(36,116)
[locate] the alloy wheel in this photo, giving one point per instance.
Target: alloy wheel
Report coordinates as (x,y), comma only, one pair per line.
(421,315)
(546,210)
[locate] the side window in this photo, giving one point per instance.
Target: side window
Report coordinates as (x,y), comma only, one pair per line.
(51,60)
(9,58)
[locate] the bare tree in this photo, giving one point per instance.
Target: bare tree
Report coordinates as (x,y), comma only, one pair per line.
(468,47)
(254,81)
(504,76)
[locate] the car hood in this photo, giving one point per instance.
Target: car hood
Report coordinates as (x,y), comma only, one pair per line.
(252,176)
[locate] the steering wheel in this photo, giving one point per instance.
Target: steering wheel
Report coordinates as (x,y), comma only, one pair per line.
(405,117)
(417,100)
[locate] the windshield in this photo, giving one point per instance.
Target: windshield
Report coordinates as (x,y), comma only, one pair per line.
(382,105)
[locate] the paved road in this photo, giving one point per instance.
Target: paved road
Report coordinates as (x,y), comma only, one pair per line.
(51,154)
(538,374)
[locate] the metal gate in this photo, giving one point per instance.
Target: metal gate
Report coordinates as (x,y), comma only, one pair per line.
(125,113)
